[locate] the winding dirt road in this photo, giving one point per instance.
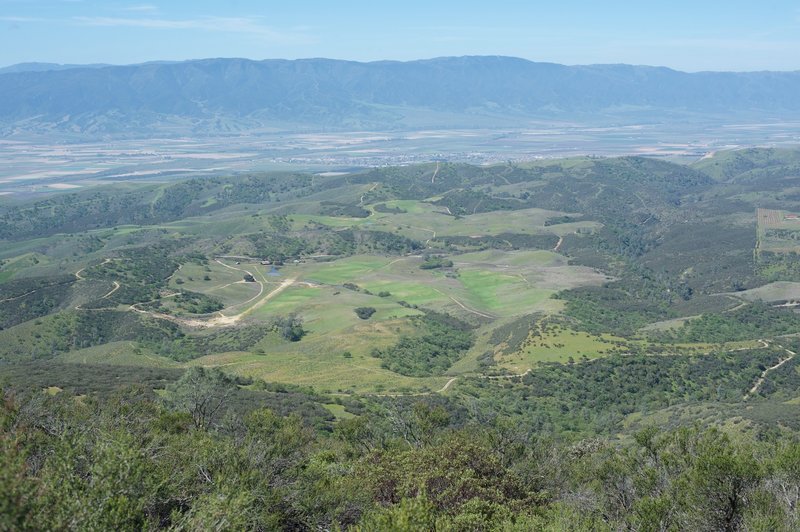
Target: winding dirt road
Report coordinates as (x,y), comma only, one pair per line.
(109,294)
(764,373)
(221,320)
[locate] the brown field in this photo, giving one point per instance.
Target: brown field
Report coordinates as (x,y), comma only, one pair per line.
(778,231)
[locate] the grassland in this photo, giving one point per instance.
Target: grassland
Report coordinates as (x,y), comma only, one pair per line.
(777,291)
(333,357)
(483,286)
(562,345)
(120,354)
(215,280)
(15,265)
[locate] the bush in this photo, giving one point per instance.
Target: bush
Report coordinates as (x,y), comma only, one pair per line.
(365,313)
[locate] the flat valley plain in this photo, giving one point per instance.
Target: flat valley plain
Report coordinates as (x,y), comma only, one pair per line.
(37,164)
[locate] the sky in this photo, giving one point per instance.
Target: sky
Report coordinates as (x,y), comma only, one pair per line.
(686,35)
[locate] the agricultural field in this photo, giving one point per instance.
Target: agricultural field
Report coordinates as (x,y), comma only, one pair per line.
(778,231)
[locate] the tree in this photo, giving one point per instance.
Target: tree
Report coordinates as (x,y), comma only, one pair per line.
(290,327)
(721,482)
(202,393)
(365,313)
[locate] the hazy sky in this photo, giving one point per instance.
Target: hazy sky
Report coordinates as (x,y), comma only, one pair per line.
(686,35)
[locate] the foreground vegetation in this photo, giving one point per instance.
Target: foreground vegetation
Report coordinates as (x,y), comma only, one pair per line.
(186,461)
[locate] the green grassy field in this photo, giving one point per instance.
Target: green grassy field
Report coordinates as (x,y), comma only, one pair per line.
(561,346)
(482,286)
(15,265)
(320,359)
(118,353)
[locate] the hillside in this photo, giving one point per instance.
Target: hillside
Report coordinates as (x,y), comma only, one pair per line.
(224,95)
(515,265)
(567,344)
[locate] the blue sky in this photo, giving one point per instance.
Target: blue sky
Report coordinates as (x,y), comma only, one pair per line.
(686,35)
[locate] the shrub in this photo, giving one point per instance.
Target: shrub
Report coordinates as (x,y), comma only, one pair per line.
(365,313)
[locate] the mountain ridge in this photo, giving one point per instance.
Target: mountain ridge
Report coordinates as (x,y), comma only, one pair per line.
(469,91)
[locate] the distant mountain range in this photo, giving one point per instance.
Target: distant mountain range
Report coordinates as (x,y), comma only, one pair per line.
(43,67)
(227,95)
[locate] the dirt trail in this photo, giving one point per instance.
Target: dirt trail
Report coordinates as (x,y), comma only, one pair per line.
(460,304)
(21,296)
(435,173)
(260,284)
(116,287)
(281,287)
(80,277)
(764,373)
(395,261)
(763,343)
(433,233)
(221,320)
(224,286)
(741,304)
(558,245)
(447,385)
(494,377)
(417,394)
(361,201)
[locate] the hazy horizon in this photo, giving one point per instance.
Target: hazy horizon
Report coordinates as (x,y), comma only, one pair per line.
(682,35)
(419,59)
